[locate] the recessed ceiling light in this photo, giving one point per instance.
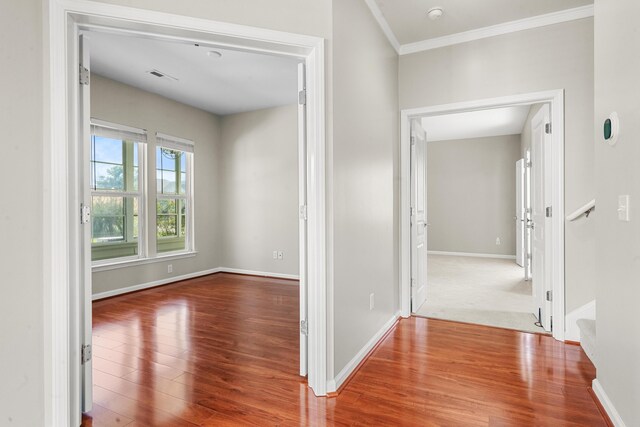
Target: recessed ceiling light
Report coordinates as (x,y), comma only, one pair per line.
(435,13)
(214,54)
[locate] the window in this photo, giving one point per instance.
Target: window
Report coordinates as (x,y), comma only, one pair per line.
(119,225)
(116,191)
(174,160)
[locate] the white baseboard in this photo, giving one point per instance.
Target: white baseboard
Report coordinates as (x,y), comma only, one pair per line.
(616,419)
(115,292)
(334,384)
(471,254)
(153,284)
(258,273)
(587,311)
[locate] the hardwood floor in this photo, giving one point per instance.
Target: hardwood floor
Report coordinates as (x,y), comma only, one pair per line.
(223,350)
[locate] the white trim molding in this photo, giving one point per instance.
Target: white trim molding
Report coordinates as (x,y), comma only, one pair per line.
(155,283)
(258,273)
(556,100)
(62,314)
(587,311)
(384,25)
(602,396)
(335,383)
(471,254)
(161,282)
(478,33)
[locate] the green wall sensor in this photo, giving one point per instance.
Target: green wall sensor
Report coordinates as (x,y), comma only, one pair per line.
(611,129)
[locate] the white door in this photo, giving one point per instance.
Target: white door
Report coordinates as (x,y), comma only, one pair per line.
(302,230)
(418,215)
(527,215)
(520,251)
(540,229)
(85,290)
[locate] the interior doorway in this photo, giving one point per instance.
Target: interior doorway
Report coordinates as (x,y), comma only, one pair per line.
(455,260)
(69,112)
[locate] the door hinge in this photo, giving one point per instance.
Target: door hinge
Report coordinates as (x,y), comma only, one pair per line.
(302,97)
(85,354)
(304,328)
(303,212)
(85,214)
(549,212)
(413,140)
(547,128)
(84,75)
(527,165)
(549,296)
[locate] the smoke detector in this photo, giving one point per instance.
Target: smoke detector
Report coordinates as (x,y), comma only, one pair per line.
(435,13)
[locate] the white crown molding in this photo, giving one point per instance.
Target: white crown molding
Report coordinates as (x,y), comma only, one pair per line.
(494,30)
(386,29)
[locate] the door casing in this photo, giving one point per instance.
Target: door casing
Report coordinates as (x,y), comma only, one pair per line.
(555,98)
(61,309)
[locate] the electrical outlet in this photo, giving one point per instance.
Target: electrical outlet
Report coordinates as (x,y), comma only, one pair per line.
(372,301)
(275,254)
(498,241)
(280,255)
(170,268)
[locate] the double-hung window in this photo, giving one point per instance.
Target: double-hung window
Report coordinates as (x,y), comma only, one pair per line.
(174,201)
(117,191)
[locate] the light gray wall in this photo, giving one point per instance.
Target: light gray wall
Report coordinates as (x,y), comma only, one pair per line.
(21,215)
(553,57)
(617,88)
(258,178)
(119,103)
(471,194)
(525,137)
(365,184)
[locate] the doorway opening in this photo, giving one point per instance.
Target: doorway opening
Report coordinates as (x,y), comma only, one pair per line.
(71,166)
(482,223)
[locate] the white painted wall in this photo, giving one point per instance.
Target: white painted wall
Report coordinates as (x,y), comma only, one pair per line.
(617,88)
(119,103)
(364,180)
(471,194)
(258,197)
(23,284)
(554,57)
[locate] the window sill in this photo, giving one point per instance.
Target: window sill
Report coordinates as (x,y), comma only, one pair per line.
(141,261)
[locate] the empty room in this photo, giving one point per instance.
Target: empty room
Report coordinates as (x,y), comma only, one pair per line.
(320,212)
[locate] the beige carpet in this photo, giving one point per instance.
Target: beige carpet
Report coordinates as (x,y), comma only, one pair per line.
(484,291)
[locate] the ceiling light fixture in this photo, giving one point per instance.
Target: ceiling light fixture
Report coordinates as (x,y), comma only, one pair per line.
(214,54)
(435,13)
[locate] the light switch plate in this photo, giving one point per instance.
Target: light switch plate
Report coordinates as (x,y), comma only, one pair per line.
(623,208)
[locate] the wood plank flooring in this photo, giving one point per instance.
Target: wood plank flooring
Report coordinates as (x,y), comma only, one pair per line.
(222,350)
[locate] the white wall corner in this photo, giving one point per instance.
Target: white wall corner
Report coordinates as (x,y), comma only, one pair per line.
(602,396)
(384,25)
(334,384)
(587,311)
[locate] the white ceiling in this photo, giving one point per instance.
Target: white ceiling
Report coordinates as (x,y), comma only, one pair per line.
(409,22)
(236,82)
(476,124)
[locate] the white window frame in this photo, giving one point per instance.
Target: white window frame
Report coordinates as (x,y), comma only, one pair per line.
(127,133)
(188,147)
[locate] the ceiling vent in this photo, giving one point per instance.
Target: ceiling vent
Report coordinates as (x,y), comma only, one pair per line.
(162,75)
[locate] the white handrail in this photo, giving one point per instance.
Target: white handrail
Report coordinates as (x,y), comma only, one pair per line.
(584,210)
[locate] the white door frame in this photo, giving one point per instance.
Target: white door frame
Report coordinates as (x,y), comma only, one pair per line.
(66,18)
(556,100)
